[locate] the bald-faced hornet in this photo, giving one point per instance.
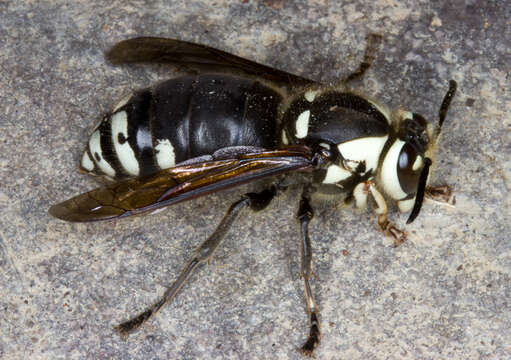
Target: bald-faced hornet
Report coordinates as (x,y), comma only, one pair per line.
(233,121)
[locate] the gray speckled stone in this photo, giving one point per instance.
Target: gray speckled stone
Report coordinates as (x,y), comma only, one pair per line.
(443,294)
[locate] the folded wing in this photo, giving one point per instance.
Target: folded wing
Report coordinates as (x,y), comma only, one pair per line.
(180,183)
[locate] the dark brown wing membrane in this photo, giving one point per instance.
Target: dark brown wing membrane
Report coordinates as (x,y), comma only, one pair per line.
(180,183)
(195,57)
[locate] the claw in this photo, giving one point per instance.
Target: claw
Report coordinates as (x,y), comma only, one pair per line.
(312,342)
(398,235)
(441,194)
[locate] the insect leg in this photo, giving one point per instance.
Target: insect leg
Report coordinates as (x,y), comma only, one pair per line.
(360,193)
(441,194)
(256,201)
(304,215)
(372,48)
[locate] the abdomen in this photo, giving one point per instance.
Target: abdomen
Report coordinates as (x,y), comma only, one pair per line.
(179,119)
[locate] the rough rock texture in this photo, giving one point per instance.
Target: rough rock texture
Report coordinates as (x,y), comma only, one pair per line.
(443,294)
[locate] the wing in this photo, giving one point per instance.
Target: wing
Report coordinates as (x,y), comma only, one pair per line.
(196,57)
(180,183)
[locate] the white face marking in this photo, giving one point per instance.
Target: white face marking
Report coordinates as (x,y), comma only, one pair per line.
(302,124)
(325,145)
(366,149)
(123,102)
(165,155)
(310,95)
(335,173)
(86,162)
(95,150)
(285,141)
(122,147)
(406,205)
(360,195)
(389,176)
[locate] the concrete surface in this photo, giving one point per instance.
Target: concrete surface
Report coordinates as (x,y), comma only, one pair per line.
(444,294)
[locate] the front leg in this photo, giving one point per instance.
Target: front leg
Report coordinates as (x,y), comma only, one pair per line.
(361,192)
(304,216)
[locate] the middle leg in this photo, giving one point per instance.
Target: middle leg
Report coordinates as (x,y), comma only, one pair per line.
(304,216)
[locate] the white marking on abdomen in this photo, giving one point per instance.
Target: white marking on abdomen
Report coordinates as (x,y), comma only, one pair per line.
(95,150)
(389,177)
(165,155)
(366,149)
(86,162)
(302,124)
(124,152)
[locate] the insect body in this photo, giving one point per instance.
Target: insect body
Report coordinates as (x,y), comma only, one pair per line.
(201,133)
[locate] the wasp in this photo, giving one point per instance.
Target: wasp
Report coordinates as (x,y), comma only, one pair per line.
(230,121)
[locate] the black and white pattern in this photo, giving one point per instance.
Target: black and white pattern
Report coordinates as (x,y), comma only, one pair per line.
(180,119)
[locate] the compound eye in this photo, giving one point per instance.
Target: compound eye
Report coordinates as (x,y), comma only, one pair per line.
(408,168)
